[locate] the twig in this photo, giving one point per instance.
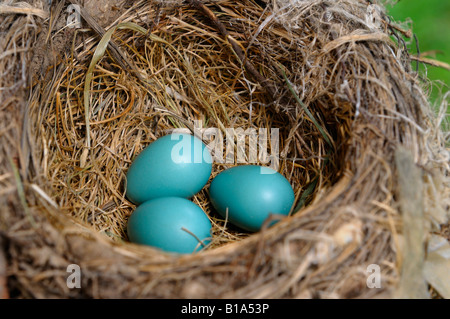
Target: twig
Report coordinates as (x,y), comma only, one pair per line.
(379,36)
(393,26)
(23,8)
(116,52)
(416,39)
(236,47)
(431,62)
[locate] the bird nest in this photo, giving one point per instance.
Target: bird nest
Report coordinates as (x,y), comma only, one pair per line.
(327,85)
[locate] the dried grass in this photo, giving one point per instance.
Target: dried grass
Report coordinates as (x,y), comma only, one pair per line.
(340,59)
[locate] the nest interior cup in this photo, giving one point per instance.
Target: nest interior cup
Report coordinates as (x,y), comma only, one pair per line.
(315,90)
(192,81)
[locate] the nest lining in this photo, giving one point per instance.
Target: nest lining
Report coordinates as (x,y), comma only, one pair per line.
(192,77)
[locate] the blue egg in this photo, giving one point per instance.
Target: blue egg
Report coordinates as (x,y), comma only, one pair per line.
(172,224)
(173,165)
(251,193)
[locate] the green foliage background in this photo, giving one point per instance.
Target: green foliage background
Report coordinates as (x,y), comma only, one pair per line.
(431,24)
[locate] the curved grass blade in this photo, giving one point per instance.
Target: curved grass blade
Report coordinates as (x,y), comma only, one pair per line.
(98,54)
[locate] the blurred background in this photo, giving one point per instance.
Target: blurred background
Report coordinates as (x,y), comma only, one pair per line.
(430,21)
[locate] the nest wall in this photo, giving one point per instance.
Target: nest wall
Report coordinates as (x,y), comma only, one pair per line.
(63,192)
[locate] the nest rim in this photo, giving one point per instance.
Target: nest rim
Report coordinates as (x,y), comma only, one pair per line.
(257,246)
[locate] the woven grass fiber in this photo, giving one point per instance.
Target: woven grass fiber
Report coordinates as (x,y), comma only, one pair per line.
(358,141)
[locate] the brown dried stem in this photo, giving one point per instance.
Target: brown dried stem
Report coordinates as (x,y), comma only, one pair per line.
(237,48)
